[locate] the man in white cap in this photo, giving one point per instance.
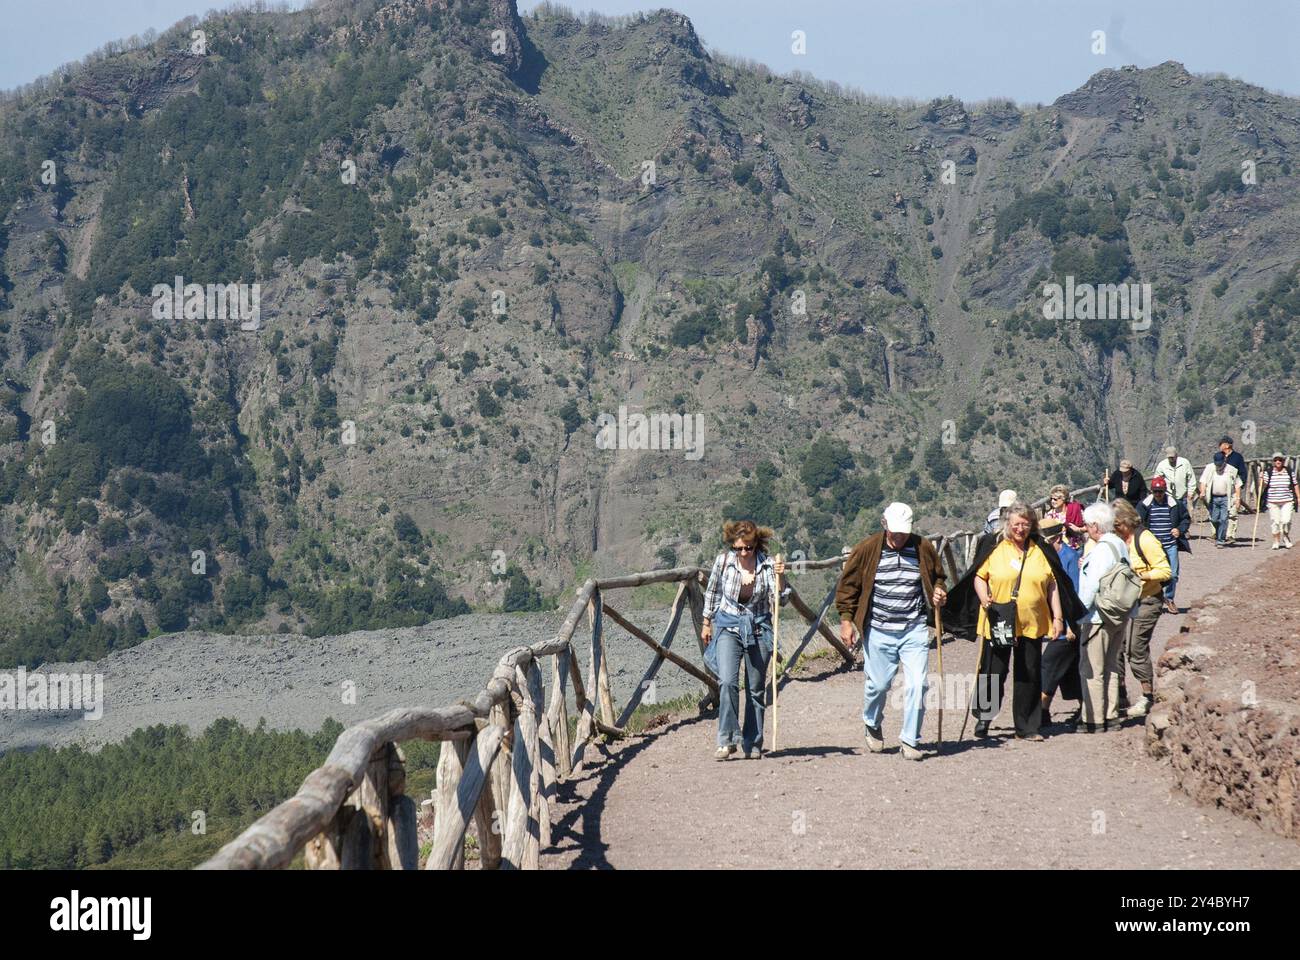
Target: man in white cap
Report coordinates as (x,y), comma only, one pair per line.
(994,521)
(1179,476)
(889,583)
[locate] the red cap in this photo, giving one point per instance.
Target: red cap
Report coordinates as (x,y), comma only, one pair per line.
(1159,483)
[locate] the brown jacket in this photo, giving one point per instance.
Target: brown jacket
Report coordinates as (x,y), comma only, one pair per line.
(853,595)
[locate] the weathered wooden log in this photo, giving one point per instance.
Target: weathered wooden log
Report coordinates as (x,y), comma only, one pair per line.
(371,797)
(652,576)
(586,709)
(661,650)
(499,784)
(546,749)
(796,601)
(451,764)
(521,824)
(449,831)
(540,812)
(558,716)
(600,656)
(403,835)
(675,616)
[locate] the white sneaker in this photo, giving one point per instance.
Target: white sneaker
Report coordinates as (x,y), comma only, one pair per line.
(910,752)
(723,752)
(1286,543)
(875,739)
(1276,546)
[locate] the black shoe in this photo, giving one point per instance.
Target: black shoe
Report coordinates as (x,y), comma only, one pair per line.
(1090,727)
(981,728)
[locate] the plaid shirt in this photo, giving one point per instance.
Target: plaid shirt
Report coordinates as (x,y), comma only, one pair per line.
(724,586)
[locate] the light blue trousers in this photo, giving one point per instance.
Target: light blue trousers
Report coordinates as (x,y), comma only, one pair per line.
(731,654)
(885,651)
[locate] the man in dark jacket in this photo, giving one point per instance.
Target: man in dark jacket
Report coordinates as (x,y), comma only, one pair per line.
(1169,520)
(890,582)
(1127,483)
(1234,459)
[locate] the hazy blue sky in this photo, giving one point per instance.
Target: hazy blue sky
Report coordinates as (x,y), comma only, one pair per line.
(1029,50)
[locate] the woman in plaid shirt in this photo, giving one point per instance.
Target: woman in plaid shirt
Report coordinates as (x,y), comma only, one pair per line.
(738,602)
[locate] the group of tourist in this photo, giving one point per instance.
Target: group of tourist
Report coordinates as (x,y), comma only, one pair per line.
(1065,599)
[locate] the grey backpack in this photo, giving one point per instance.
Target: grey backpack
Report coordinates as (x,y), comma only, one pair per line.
(1118,591)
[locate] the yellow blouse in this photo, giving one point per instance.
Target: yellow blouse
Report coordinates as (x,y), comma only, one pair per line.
(1033,610)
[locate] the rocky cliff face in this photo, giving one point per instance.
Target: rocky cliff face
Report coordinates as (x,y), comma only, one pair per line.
(473,234)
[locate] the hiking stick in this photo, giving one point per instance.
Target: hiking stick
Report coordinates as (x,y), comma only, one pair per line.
(979,660)
(1259,505)
(938,642)
(776,647)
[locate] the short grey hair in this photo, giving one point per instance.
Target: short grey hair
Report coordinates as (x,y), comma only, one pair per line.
(1100,514)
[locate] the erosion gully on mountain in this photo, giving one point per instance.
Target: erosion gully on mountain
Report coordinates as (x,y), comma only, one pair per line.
(821,800)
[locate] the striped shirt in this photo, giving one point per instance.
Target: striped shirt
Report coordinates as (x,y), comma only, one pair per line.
(1160,521)
(725,581)
(896,600)
(1279,486)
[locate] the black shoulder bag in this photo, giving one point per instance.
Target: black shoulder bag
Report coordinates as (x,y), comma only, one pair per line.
(1002,616)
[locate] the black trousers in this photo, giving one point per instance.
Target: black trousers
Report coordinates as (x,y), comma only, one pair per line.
(1061,669)
(1026,686)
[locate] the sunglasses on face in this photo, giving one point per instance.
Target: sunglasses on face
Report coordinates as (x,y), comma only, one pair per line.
(744,549)
(1057,499)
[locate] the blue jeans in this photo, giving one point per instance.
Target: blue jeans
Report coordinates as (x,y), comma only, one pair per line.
(885,650)
(1171,551)
(730,654)
(1219,517)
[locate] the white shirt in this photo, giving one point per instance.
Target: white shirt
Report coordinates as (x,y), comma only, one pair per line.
(1219,484)
(1093,567)
(1179,475)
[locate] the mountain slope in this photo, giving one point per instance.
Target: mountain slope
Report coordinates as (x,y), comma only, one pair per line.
(473,234)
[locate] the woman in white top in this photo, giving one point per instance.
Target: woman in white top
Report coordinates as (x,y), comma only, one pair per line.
(1099,660)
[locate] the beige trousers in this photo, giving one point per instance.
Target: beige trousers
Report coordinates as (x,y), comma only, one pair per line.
(1099,671)
(1280,516)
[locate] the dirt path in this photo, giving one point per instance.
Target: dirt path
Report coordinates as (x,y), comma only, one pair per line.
(1073,801)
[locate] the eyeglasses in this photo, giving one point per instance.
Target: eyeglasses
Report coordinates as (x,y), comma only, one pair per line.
(744,549)
(1056,498)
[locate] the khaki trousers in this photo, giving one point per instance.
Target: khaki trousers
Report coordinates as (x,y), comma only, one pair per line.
(1099,671)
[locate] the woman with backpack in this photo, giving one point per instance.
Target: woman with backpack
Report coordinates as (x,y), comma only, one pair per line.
(1282,495)
(1151,564)
(1109,590)
(738,602)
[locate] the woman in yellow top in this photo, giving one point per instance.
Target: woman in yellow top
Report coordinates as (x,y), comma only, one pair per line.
(1017,559)
(1150,562)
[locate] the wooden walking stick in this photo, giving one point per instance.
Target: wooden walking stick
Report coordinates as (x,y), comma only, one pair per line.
(1259,505)
(776,646)
(938,642)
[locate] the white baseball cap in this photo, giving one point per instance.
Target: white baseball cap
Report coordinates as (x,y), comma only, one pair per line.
(1006,498)
(898,518)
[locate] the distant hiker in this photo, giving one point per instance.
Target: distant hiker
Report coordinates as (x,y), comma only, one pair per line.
(1168,519)
(1282,496)
(1099,660)
(1069,512)
(1061,654)
(1239,462)
(890,582)
(1179,476)
(1015,595)
(993,523)
(739,601)
(1151,564)
(1220,486)
(1127,483)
